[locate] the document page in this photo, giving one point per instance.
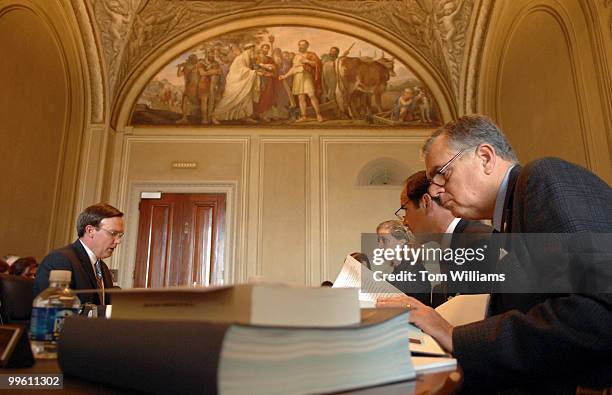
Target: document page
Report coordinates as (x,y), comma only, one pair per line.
(355,275)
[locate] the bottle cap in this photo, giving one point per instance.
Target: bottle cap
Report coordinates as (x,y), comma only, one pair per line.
(60,275)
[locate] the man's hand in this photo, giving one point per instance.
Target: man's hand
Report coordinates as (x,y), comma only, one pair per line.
(424,317)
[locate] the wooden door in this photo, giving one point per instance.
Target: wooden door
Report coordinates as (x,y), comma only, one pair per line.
(180,240)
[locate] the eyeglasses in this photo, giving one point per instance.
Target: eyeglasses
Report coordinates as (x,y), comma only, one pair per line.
(400,216)
(113,233)
(440,174)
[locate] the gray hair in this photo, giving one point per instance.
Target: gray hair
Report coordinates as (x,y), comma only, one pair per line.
(396,228)
(472,130)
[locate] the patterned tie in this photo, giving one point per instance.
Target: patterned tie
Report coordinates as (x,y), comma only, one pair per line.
(100,280)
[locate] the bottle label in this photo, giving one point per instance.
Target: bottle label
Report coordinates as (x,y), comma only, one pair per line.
(47,322)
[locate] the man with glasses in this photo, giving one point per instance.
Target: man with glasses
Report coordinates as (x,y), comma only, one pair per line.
(529,340)
(100,231)
(429,221)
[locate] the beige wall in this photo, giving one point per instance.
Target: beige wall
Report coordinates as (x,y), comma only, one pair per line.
(544,81)
(37,125)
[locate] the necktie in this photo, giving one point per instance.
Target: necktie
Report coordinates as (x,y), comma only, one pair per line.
(100,280)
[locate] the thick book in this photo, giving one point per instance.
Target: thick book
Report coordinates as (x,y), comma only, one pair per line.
(215,357)
(256,304)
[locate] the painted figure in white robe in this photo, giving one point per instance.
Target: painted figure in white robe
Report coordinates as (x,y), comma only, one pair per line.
(241,88)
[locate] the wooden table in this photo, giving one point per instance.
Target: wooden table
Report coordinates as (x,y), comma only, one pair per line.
(439,383)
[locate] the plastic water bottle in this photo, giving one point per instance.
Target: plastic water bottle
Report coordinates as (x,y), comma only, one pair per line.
(49,310)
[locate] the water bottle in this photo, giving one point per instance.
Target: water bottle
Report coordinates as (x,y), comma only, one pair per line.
(49,310)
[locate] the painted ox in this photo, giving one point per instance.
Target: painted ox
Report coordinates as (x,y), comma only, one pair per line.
(358,80)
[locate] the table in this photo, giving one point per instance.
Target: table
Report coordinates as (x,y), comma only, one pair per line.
(439,383)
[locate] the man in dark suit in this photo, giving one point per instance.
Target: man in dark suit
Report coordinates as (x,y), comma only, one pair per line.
(100,230)
(529,340)
(429,221)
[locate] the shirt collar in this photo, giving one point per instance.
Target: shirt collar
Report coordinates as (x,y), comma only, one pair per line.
(448,233)
(90,254)
(498,212)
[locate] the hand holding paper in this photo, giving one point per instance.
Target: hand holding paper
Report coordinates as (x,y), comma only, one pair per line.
(424,317)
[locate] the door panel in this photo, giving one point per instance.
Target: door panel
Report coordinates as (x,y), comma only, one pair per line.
(180,240)
(203,243)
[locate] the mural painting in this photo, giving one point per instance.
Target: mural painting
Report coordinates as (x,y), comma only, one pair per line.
(286,75)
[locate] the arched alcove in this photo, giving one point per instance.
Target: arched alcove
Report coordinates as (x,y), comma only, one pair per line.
(43,106)
(542,82)
(382,172)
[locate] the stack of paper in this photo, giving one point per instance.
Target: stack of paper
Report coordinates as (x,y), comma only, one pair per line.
(290,361)
(355,275)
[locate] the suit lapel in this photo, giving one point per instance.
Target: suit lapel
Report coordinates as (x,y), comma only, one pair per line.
(85,263)
(509,198)
(460,228)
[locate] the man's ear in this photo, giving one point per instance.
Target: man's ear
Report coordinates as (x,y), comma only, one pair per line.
(487,156)
(426,202)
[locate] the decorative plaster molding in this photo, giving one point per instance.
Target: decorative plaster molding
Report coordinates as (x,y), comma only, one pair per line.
(114,19)
(606,4)
(436,28)
(473,57)
(93,61)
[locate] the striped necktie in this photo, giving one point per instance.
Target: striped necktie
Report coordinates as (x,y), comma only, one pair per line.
(100,280)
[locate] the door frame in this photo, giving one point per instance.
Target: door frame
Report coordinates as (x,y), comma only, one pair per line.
(127,251)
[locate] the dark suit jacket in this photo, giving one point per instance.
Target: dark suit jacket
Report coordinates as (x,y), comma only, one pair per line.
(537,339)
(83,276)
(467,234)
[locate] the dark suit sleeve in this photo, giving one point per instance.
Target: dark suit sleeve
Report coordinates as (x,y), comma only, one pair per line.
(54,261)
(560,338)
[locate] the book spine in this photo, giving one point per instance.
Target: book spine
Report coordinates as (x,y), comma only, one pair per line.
(153,356)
